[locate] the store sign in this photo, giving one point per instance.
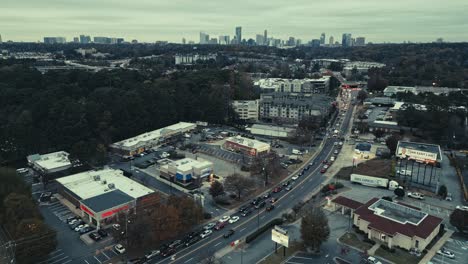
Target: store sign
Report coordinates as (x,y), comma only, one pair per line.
(114,211)
(280,236)
(417,155)
(84,208)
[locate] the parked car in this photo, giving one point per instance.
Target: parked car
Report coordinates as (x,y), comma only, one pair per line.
(76,224)
(323,170)
(246,212)
(295,177)
(119,248)
(228,233)
(70,219)
(175,244)
(102,232)
(243,208)
(372,260)
(273,200)
(267,195)
(277,189)
(79,227)
(220,225)
(448,197)
(332,159)
(335,152)
(462,207)
(233,219)
(270,207)
(206,233)
(168,252)
(225,218)
(416,195)
(95,236)
(288,188)
(404,172)
(192,241)
(86,229)
(116,226)
(444,252)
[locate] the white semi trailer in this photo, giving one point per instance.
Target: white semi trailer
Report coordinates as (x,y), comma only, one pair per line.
(374,181)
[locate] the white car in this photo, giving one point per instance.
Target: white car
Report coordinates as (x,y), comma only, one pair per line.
(119,248)
(341,143)
(462,207)
(295,177)
(416,195)
(332,159)
(404,172)
(165,155)
(373,260)
(206,233)
(78,228)
(224,218)
(446,253)
(209,226)
(233,219)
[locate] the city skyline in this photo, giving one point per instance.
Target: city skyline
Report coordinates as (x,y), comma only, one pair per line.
(149,21)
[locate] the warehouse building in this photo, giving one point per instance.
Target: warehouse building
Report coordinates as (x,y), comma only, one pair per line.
(272,131)
(103,194)
(148,140)
(50,163)
(187,171)
(248,146)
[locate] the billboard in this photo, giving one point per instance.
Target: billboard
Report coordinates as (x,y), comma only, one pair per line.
(417,155)
(280,236)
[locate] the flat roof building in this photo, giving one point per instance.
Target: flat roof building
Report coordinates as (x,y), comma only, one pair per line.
(248,146)
(50,163)
(421,152)
(187,171)
(393,90)
(150,139)
(102,194)
(272,131)
(246,109)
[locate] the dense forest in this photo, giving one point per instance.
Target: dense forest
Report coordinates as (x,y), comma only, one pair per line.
(83,112)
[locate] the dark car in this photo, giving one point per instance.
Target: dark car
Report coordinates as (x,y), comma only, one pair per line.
(95,236)
(270,207)
(228,233)
(69,219)
(86,230)
(243,208)
(102,232)
(193,240)
(260,205)
(277,189)
(168,252)
(220,225)
(175,244)
(267,195)
(246,212)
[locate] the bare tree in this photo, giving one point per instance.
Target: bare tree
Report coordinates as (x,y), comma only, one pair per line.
(238,184)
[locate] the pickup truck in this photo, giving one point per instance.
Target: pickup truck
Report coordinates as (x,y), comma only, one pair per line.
(416,195)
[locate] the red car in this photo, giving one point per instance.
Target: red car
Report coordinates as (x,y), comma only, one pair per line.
(323,170)
(324,162)
(277,189)
(220,225)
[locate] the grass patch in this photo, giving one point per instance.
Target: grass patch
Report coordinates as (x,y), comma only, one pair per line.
(278,257)
(399,256)
(353,240)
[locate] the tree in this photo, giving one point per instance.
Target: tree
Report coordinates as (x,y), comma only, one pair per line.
(459,219)
(216,189)
(238,184)
(399,192)
(378,133)
(392,143)
(442,191)
(314,229)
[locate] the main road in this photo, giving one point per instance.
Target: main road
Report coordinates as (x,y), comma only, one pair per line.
(302,187)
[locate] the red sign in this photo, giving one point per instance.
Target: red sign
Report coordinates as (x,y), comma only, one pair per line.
(114,211)
(84,208)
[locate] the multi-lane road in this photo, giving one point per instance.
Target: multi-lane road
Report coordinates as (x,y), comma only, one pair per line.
(302,187)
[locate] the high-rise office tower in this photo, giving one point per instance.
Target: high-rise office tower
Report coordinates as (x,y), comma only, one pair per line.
(184,41)
(360,41)
(346,40)
(76,40)
(259,39)
(54,40)
(224,40)
(265,37)
(322,39)
(239,35)
(204,38)
(331,41)
(1,41)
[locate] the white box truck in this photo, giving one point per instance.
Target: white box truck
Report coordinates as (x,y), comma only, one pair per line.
(374,181)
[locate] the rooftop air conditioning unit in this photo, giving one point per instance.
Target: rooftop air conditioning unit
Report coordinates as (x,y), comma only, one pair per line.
(97,177)
(104,182)
(111,186)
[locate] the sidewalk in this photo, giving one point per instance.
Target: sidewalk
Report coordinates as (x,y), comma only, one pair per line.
(431,253)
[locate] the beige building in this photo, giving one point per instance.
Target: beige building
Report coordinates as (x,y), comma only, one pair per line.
(393,224)
(246,109)
(187,171)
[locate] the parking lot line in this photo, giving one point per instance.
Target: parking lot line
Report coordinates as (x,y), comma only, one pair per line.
(68,261)
(58,260)
(86,261)
(105,254)
(97,259)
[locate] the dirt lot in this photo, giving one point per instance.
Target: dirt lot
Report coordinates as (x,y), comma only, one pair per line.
(375,167)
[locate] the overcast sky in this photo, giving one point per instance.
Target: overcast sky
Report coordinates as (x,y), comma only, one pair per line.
(151,20)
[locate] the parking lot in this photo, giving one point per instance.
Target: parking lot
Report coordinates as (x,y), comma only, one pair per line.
(60,210)
(58,256)
(102,257)
(458,247)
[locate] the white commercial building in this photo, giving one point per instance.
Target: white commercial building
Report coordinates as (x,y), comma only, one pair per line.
(248,146)
(272,131)
(187,171)
(150,139)
(187,59)
(320,85)
(361,67)
(103,194)
(393,90)
(50,163)
(246,109)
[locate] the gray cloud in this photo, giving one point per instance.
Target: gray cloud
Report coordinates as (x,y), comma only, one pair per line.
(150,20)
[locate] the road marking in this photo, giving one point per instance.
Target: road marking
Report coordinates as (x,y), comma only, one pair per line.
(66,261)
(97,259)
(58,255)
(188,260)
(242,229)
(105,255)
(86,261)
(217,244)
(58,260)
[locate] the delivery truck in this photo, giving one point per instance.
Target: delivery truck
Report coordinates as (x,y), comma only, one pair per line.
(372,181)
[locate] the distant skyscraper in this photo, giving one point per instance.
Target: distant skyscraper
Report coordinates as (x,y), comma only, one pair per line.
(265,37)
(214,41)
(184,41)
(204,38)
(76,40)
(315,43)
(85,39)
(102,40)
(331,41)
(1,41)
(224,40)
(346,40)
(322,39)
(239,35)
(260,39)
(291,41)
(360,41)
